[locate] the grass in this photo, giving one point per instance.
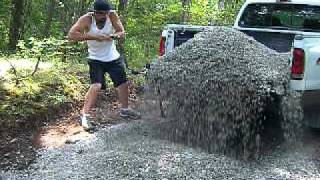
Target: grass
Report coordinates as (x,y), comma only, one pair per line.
(52,86)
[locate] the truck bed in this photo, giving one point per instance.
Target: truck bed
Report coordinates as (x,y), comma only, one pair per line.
(281,42)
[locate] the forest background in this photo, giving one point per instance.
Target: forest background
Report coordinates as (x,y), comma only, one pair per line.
(41,72)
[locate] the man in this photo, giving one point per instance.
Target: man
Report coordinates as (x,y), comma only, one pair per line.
(99,29)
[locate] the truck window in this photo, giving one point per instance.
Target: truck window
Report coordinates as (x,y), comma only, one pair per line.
(281,16)
(183,36)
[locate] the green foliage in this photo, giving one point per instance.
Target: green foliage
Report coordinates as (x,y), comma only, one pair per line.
(4,23)
(140,51)
(200,12)
(49,88)
(203,12)
(49,49)
(144,22)
(227,15)
(138,81)
(46,48)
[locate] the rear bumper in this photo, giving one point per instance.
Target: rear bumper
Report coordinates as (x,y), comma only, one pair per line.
(297,85)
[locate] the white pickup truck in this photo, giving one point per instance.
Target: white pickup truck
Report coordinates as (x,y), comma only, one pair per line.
(283,25)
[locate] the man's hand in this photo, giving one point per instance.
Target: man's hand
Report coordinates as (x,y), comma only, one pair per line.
(115,36)
(101,38)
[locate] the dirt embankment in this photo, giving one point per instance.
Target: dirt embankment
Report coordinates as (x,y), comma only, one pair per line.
(18,145)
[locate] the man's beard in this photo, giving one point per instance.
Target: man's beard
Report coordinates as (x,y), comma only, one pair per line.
(101,21)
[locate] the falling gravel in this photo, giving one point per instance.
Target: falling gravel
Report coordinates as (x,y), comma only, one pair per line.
(135,151)
(221,88)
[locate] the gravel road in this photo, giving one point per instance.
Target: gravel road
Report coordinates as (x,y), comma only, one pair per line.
(135,150)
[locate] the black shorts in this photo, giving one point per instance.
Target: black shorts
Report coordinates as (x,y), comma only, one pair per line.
(115,69)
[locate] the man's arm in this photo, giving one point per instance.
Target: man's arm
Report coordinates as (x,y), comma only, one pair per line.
(77,31)
(117,25)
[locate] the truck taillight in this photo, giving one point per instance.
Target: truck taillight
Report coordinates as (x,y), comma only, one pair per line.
(297,68)
(162,45)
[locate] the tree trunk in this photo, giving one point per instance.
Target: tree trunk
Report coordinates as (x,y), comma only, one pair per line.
(25,19)
(185,12)
(67,16)
(16,23)
(50,8)
(122,7)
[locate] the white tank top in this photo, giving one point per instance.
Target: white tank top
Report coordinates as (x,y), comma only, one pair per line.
(104,51)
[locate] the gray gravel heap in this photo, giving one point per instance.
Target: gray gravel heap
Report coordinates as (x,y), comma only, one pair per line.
(133,151)
(220,87)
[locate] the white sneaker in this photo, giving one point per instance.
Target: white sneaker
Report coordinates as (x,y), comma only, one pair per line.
(85,121)
(129,113)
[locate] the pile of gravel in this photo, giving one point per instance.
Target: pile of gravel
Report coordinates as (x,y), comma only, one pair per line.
(218,89)
(132,151)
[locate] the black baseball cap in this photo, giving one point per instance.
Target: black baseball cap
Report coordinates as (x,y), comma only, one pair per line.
(102,5)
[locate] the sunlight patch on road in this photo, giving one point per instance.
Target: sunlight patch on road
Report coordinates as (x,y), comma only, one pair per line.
(58,135)
(21,64)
